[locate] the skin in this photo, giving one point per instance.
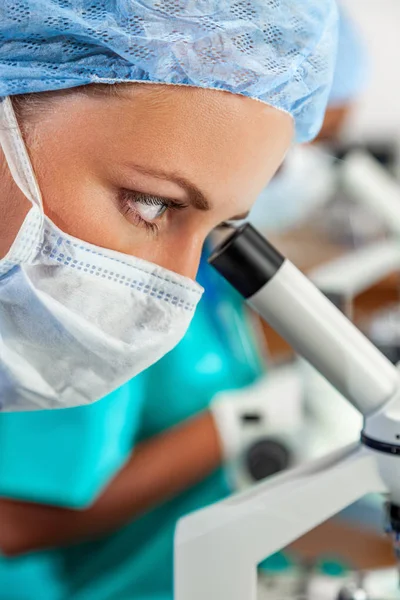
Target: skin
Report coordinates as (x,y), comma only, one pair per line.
(211,151)
(86,149)
(335,119)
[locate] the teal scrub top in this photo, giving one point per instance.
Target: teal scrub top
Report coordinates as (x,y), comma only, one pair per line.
(67,457)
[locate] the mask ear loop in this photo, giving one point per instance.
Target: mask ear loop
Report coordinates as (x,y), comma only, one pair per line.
(16,154)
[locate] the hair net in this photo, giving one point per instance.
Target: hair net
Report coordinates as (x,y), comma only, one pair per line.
(281,52)
(351,70)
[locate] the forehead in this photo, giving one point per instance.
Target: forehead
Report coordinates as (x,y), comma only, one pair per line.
(217,138)
(202,121)
(225,144)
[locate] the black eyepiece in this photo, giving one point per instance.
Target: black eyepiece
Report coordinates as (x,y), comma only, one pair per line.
(246,260)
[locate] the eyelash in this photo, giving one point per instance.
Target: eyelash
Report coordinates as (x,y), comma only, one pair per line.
(129,197)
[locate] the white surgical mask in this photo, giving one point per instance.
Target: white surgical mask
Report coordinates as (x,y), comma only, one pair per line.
(77,320)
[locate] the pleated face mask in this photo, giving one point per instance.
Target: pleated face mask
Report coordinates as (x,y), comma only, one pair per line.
(77,320)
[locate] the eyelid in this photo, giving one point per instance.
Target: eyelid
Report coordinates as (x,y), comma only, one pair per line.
(145,198)
(129,198)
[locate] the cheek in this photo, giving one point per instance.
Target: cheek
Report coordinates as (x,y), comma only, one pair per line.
(85,212)
(88,211)
(73,197)
(80,205)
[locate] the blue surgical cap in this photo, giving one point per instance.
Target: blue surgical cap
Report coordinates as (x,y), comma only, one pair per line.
(351,70)
(281,52)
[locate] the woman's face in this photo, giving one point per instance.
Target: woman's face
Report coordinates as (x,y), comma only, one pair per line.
(151,171)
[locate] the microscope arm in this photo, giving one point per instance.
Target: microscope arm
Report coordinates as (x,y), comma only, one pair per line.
(368,182)
(355,272)
(217,549)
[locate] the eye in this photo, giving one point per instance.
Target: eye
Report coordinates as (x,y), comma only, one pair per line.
(151,208)
(145,209)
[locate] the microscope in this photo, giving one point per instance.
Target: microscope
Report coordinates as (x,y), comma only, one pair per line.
(217,549)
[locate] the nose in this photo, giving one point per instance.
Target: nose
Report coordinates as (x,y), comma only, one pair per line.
(184,258)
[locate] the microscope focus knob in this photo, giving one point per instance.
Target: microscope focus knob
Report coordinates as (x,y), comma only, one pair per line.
(266,457)
(352,593)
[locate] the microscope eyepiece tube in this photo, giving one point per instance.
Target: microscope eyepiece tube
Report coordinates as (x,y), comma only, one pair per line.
(247,260)
(302,315)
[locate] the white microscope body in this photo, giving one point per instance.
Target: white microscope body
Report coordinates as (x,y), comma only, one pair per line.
(217,549)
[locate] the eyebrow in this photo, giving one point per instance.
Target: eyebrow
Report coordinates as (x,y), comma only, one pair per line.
(197,198)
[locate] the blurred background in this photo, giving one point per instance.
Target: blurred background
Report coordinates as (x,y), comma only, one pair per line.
(343,232)
(377,115)
(334,210)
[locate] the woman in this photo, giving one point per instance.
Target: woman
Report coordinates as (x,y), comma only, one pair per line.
(110,185)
